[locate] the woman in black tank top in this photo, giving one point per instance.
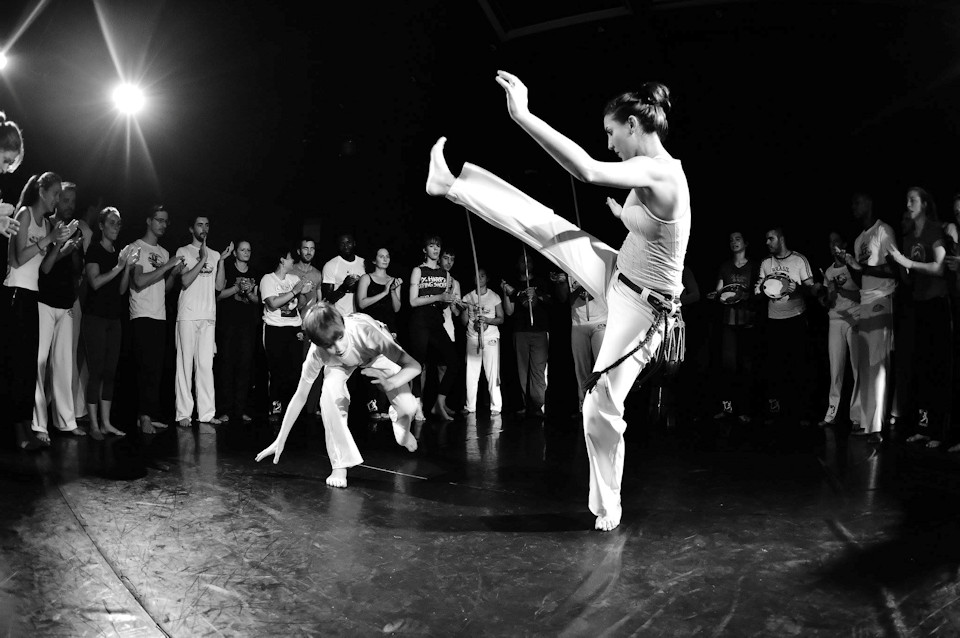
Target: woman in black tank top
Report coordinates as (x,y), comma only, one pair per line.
(378,294)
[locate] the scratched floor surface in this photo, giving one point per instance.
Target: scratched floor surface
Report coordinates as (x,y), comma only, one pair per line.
(481,532)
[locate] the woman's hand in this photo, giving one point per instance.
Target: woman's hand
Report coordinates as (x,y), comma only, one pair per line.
(614,207)
(516,94)
(900,258)
(396,283)
(9,226)
(227,251)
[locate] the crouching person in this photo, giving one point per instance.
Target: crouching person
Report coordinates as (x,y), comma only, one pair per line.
(340,345)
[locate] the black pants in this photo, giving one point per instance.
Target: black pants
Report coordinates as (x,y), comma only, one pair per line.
(283,360)
(736,362)
(236,344)
(20,322)
(101,338)
(149,345)
(788,375)
(430,335)
(933,363)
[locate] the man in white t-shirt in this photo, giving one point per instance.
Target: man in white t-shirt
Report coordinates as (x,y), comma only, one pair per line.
(870,264)
(484,312)
(200,280)
(153,276)
(786,330)
(341,274)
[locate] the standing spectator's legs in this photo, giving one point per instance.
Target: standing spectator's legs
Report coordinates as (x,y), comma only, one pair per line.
(246,345)
(186,340)
(47,320)
(206,395)
(491,367)
(79,383)
(149,344)
(933,365)
(521,344)
(585,340)
(59,369)
(474,363)
(876,339)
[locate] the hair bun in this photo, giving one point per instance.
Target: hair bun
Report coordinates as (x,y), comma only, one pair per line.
(657,95)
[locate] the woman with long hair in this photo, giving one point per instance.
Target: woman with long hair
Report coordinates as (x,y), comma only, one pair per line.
(108,277)
(20,314)
(11,155)
(923,257)
(641,283)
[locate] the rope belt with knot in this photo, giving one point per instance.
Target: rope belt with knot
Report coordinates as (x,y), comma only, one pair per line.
(664,307)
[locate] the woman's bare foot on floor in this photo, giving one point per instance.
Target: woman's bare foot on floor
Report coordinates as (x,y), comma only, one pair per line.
(109,429)
(439,177)
(95,433)
(607,522)
(337,478)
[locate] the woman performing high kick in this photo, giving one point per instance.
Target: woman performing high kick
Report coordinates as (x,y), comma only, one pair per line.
(640,284)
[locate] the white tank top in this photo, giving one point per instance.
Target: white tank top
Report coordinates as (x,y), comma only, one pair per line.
(652,253)
(27,275)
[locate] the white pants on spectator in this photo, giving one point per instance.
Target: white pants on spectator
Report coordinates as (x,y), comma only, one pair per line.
(585,341)
(55,361)
(335,406)
(876,343)
(489,360)
(195,349)
(843,343)
(593,264)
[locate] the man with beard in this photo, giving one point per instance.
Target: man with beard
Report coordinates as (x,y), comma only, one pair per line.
(202,277)
(148,315)
(786,330)
(60,273)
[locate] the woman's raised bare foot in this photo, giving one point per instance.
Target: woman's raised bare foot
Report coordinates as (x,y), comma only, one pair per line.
(439,177)
(338,478)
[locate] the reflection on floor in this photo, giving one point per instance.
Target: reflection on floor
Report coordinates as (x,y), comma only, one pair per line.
(482,531)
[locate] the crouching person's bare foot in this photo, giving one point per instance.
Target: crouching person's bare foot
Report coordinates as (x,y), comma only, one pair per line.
(608,521)
(439,178)
(338,478)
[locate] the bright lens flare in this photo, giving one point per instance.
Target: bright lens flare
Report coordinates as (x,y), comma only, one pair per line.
(128,98)
(3,60)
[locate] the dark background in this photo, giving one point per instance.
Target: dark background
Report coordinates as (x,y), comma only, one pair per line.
(265,115)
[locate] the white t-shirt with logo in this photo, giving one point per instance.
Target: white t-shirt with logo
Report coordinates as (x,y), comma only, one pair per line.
(488,308)
(149,303)
(847,305)
(273,286)
(871,248)
(199,300)
(797,268)
(335,272)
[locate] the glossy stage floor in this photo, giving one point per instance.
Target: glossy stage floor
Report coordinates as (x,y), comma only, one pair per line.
(481,532)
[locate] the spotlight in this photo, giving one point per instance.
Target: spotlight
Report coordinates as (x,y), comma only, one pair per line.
(3,60)
(128,98)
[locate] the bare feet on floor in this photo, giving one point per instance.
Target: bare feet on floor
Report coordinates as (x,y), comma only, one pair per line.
(95,433)
(337,478)
(440,412)
(106,428)
(439,177)
(607,522)
(146,425)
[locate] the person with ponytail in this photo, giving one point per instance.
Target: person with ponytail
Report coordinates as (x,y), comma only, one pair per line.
(20,314)
(641,283)
(11,156)
(108,279)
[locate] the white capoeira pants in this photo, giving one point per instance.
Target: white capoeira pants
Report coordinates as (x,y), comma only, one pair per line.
(593,264)
(843,343)
(876,343)
(489,360)
(55,360)
(195,347)
(335,406)
(585,341)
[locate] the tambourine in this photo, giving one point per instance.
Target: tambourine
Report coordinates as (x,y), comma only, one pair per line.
(732,293)
(775,285)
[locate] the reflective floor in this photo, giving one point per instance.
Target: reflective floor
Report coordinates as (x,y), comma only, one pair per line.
(481,532)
